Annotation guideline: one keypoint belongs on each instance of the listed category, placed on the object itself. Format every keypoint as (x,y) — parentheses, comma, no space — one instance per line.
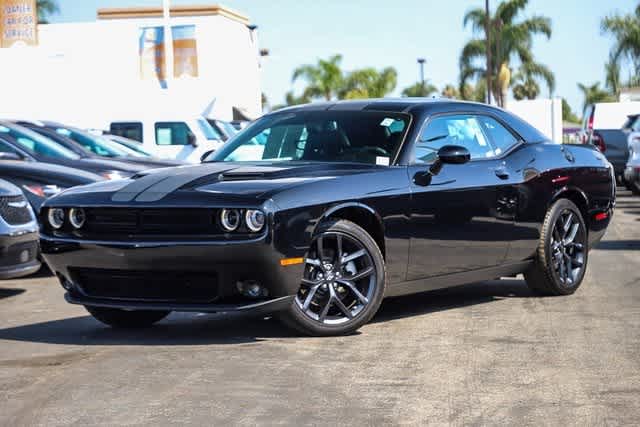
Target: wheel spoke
(342,307)
(355,290)
(361,275)
(314,262)
(571,235)
(325,309)
(576,262)
(355,255)
(309,282)
(567,223)
(576,246)
(310,295)
(338,249)
(320,248)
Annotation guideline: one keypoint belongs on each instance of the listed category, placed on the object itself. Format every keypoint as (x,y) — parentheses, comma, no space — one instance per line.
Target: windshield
(324,136)
(96,144)
(227,128)
(38,144)
(208,131)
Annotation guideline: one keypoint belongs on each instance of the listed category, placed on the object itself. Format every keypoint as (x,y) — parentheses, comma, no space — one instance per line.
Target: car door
(463,219)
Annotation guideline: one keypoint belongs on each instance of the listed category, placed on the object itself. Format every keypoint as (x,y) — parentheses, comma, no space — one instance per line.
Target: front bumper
(18,255)
(195,276)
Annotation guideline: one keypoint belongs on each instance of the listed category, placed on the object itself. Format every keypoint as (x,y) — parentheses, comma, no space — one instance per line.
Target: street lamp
(421,62)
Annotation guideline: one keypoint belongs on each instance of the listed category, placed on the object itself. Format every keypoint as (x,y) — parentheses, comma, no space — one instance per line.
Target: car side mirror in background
(192,140)
(10,156)
(205,155)
(449,154)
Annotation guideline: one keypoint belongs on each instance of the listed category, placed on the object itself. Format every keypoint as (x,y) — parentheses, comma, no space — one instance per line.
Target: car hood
(47,173)
(206,183)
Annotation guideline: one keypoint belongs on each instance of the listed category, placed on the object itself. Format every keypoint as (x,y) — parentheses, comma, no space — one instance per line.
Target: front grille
(20,253)
(173,221)
(147,285)
(15,210)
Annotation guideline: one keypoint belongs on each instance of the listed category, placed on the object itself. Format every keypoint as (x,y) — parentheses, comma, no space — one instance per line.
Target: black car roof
(424,106)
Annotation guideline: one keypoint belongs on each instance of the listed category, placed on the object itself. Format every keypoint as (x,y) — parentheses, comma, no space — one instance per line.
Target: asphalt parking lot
(487,353)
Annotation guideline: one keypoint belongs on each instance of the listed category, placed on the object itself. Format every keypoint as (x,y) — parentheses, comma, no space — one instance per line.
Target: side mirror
(205,155)
(454,154)
(192,140)
(10,156)
(451,154)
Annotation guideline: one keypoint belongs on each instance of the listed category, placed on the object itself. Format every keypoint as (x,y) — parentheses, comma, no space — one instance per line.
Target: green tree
(419,90)
(450,91)
(525,81)
(324,79)
(567,113)
(594,93)
(511,38)
(369,83)
(46,8)
(625,30)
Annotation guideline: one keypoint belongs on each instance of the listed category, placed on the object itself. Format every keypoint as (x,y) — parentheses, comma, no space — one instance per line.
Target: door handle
(501,172)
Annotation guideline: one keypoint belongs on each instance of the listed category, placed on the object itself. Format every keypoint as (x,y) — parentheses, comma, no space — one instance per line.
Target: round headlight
(56,218)
(230,219)
(255,220)
(77,217)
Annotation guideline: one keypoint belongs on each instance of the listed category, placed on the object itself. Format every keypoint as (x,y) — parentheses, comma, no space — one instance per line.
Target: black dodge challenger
(318,212)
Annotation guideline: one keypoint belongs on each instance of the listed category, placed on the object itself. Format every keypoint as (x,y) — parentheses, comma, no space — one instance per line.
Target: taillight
(590,121)
(598,141)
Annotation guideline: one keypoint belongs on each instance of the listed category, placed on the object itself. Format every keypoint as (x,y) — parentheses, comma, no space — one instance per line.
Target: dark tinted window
(172,133)
(325,136)
(131,130)
(501,138)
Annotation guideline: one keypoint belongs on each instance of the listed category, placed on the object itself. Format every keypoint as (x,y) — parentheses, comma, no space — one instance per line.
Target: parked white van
(170,137)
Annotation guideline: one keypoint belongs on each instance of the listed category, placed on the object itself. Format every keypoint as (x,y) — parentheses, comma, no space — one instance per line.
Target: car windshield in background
(96,144)
(322,136)
(35,143)
(227,127)
(208,130)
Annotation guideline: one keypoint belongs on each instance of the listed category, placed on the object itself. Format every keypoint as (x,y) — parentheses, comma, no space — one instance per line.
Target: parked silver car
(18,234)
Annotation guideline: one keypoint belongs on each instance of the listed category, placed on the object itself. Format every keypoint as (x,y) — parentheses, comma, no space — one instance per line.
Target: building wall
(87,73)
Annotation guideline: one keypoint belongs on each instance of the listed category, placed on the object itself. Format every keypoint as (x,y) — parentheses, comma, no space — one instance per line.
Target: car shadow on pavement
(9,292)
(450,298)
(202,329)
(619,245)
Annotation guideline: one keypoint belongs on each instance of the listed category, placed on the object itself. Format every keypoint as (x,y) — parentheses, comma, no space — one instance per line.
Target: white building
(87,73)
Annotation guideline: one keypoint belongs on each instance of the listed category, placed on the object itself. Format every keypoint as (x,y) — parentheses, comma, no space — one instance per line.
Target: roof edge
(176,11)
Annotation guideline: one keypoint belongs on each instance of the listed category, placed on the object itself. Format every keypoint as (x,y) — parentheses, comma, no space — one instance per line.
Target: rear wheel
(561,258)
(343,282)
(126,319)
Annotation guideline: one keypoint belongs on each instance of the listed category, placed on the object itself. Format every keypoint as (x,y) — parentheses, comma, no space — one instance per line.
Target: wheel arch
(362,215)
(578,197)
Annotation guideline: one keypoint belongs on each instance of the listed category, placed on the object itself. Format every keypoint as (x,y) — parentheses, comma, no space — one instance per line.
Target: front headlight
(230,219)
(77,217)
(111,175)
(45,191)
(255,220)
(55,216)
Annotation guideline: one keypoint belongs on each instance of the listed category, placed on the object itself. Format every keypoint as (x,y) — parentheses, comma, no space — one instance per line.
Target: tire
(338,296)
(634,186)
(124,319)
(560,265)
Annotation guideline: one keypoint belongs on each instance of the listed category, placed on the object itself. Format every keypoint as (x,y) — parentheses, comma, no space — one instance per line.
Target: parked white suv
(169,137)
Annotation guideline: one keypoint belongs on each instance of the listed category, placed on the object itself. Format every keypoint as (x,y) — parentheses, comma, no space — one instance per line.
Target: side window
(131,130)
(501,138)
(6,148)
(462,130)
(172,133)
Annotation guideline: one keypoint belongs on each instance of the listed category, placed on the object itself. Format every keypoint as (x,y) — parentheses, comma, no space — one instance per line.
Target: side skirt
(456,279)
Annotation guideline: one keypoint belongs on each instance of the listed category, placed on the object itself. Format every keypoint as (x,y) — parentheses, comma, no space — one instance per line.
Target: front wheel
(343,282)
(126,319)
(561,259)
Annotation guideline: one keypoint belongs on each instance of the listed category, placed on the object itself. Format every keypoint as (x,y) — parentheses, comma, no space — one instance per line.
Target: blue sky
(382,33)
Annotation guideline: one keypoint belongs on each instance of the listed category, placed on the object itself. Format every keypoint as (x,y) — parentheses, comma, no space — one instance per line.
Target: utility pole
(421,62)
(487,31)
(168,39)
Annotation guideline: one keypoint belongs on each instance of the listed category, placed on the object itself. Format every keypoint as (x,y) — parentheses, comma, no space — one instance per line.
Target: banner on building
(185,54)
(152,54)
(18,23)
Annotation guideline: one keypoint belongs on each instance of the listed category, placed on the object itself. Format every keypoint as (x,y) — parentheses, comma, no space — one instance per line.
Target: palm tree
(450,91)
(324,79)
(419,89)
(46,8)
(626,33)
(369,83)
(510,38)
(525,84)
(594,93)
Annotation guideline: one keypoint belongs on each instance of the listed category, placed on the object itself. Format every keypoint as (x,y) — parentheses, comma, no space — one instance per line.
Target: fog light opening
(252,289)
